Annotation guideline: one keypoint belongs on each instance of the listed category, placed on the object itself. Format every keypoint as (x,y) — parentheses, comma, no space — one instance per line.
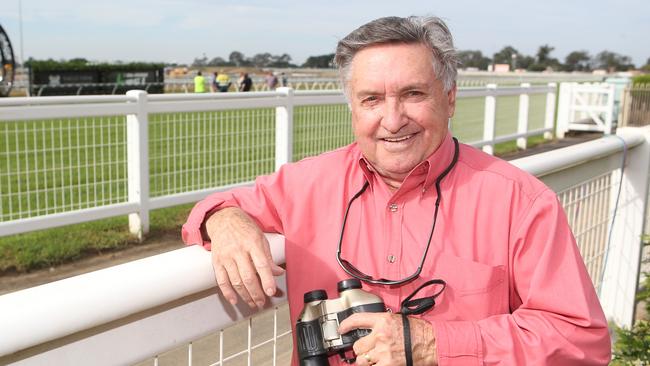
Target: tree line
(265,59)
(575,61)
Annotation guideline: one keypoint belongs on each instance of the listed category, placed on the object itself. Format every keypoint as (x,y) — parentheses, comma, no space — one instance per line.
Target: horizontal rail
(66,100)
(214,105)
(103,298)
(190,197)
(63,111)
(510,137)
(211,96)
(502,91)
(66,218)
(587,159)
(319,99)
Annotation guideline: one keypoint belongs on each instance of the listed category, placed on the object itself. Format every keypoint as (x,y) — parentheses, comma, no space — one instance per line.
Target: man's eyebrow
(366,92)
(422,85)
(416,85)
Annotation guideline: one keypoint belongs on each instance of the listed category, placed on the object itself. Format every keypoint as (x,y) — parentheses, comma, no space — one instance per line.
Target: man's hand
(385,344)
(241,257)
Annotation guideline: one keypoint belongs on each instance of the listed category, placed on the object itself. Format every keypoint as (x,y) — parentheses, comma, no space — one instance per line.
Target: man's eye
(370,99)
(414,93)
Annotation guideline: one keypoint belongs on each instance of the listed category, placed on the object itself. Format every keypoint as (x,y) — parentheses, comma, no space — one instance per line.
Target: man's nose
(394,117)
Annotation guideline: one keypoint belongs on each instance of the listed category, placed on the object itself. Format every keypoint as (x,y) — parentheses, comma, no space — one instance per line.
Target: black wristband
(408,352)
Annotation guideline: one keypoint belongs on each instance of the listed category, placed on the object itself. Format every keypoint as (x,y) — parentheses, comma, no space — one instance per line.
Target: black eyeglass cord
(382,281)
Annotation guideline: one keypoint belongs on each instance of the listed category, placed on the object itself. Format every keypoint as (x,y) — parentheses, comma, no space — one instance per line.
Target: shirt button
(391,259)
(393,207)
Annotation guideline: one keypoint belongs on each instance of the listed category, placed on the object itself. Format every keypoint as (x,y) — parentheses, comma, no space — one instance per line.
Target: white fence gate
(585,107)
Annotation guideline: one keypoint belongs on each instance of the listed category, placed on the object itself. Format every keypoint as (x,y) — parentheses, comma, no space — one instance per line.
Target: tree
(543,59)
(261,59)
(472,58)
(283,60)
(200,61)
(524,62)
(218,61)
(577,61)
(237,58)
(543,54)
(320,62)
(612,61)
(505,55)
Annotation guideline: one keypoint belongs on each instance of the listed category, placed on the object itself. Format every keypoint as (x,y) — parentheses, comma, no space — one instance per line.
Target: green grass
(50,166)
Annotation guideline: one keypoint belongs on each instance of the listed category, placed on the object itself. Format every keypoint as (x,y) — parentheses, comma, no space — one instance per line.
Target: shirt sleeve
(555,319)
(259,201)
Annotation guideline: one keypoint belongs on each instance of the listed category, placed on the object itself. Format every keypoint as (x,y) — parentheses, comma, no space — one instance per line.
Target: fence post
(522,119)
(137,141)
(284,129)
(549,116)
(609,117)
(563,109)
(617,291)
(489,124)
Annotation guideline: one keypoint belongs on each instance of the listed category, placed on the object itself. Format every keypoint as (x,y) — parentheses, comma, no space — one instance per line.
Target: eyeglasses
(353,271)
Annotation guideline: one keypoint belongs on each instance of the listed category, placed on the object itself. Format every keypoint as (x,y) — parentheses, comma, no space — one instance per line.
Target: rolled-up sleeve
(259,201)
(555,319)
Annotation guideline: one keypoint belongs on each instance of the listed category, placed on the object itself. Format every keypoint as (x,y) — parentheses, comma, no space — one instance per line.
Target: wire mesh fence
(200,150)
(262,340)
(320,128)
(58,165)
(587,207)
(69,164)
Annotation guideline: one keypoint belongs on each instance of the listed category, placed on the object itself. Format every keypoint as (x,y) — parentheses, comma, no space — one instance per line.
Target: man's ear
(451,100)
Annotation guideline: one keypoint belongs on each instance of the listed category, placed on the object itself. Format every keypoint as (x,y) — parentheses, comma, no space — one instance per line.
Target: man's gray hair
(429,31)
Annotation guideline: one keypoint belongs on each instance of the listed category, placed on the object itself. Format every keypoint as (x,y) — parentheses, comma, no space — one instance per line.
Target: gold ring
(368,359)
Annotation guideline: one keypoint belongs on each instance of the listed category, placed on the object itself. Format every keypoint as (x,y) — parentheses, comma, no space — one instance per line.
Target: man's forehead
(382,68)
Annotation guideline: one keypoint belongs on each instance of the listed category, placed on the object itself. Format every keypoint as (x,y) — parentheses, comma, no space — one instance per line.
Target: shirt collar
(424,173)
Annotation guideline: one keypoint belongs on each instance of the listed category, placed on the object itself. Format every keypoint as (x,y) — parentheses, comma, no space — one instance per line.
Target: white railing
(585,107)
(167,305)
(66,160)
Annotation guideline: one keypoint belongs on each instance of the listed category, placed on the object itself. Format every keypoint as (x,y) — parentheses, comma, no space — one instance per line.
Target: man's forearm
(226,218)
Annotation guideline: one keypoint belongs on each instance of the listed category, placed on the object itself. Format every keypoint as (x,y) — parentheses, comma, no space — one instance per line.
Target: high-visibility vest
(199,84)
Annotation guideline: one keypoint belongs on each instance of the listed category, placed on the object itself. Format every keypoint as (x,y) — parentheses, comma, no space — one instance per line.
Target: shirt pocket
(474,290)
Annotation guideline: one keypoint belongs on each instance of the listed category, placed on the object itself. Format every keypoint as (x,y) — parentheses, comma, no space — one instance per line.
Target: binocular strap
(415,307)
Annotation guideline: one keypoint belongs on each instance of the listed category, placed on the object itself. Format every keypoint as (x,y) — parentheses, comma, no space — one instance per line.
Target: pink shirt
(517,289)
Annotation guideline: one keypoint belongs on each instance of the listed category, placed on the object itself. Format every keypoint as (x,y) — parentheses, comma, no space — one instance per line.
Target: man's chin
(395,171)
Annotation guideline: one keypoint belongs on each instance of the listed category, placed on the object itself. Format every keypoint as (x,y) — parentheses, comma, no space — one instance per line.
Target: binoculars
(317,326)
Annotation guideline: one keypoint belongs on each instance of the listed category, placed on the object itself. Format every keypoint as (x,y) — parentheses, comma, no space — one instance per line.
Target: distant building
(501,68)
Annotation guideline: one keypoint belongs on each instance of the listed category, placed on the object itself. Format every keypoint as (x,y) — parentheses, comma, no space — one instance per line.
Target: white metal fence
(67,160)
(586,107)
(165,309)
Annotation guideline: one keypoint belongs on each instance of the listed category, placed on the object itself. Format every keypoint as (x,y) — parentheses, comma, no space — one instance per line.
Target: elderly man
(404,204)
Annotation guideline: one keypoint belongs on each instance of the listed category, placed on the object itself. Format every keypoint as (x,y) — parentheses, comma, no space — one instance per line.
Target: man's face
(399,108)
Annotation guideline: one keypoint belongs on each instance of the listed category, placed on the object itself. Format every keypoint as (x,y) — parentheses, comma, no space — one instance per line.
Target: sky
(180,30)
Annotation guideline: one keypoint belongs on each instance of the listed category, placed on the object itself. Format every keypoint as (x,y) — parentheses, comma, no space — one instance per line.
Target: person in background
(223,82)
(405,204)
(245,83)
(271,80)
(284,79)
(199,83)
(213,84)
